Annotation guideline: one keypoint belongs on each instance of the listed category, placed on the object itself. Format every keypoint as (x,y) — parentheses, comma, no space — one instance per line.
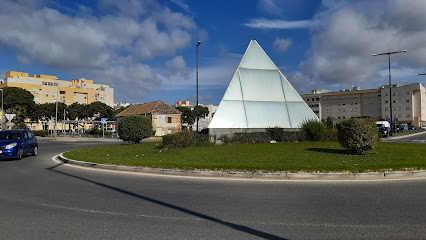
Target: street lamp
(196,106)
(390,84)
(2,113)
(57,100)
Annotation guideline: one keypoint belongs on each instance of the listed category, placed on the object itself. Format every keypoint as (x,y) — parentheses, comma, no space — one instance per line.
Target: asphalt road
(41,199)
(419,138)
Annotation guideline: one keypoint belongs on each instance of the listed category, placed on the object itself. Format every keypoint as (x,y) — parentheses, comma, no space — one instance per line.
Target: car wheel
(20,154)
(34,153)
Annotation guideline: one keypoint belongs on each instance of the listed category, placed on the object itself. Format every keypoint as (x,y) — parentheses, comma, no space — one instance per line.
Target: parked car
(17,143)
(423,128)
(412,128)
(402,127)
(383,127)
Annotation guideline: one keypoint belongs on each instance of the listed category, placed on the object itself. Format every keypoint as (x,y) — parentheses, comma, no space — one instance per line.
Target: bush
(294,136)
(314,130)
(134,128)
(186,140)
(276,133)
(41,133)
(94,131)
(357,135)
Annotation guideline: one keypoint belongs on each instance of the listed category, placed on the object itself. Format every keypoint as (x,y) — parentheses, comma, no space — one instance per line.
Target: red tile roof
(157,107)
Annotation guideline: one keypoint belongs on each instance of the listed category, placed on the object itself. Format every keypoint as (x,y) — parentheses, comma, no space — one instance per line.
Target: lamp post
(57,100)
(2,112)
(196,106)
(390,84)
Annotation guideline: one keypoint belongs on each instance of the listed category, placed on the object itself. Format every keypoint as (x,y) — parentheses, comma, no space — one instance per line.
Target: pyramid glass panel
(232,115)
(256,58)
(259,96)
(266,114)
(234,89)
(261,85)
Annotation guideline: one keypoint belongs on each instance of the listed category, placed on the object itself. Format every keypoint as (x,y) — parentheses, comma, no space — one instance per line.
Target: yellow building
(49,89)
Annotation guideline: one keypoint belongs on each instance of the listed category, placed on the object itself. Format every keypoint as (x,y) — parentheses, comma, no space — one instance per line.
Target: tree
(14,96)
(77,110)
(102,109)
(134,128)
(187,116)
(47,110)
(20,114)
(202,111)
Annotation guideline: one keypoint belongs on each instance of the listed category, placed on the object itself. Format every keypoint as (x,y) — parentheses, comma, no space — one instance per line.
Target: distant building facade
(408,104)
(48,89)
(165,118)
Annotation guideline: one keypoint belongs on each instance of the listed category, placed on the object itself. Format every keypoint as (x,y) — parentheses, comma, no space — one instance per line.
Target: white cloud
(182,5)
(282,45)
(270,7)
(278,24)
(345,39)
(108,48)
(217,73)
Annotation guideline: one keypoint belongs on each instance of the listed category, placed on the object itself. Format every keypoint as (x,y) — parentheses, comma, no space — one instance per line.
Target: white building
(408,104)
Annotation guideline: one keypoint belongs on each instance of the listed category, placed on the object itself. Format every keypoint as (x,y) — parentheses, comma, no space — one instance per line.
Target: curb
(250,175)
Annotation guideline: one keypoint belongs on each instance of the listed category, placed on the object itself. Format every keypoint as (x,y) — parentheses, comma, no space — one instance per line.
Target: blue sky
(145,49)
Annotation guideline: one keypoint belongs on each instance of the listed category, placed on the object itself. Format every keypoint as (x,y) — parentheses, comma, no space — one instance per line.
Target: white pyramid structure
(259,96)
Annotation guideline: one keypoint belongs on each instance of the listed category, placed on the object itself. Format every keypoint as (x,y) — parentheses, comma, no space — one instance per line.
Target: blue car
(17,143)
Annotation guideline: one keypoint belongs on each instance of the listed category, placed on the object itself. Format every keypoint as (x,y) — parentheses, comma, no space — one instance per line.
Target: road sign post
(103,121)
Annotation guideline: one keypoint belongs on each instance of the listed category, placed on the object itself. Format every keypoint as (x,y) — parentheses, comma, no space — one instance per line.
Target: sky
(146,49)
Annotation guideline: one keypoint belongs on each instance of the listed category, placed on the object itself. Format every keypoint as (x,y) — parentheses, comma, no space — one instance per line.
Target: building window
(386,101)
(169,120)
(307,99)
(317,99)
(407,108)
(407,115)
(408,100)
(407,93)
(386,108)
(69,101)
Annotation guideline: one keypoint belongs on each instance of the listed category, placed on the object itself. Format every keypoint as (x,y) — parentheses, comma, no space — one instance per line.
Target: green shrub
(330,135)
(94,131)
(41,133)
(314,130)
(294,136)
(134,128)
(246,137)
(357,135)
(276,133)
(186,140)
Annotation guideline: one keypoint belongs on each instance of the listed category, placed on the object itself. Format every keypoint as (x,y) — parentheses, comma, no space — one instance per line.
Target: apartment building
(49,89)
(408,103)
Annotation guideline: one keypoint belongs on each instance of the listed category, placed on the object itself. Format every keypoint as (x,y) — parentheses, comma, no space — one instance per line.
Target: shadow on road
(184,210)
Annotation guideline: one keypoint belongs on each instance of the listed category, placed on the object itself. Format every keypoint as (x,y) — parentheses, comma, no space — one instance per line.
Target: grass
(291,157)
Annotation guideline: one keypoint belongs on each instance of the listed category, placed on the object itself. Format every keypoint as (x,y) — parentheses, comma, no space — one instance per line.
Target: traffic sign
(388,119)
(103,120)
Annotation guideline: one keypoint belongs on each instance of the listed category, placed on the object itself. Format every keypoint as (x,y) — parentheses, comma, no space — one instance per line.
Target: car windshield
(10,135)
